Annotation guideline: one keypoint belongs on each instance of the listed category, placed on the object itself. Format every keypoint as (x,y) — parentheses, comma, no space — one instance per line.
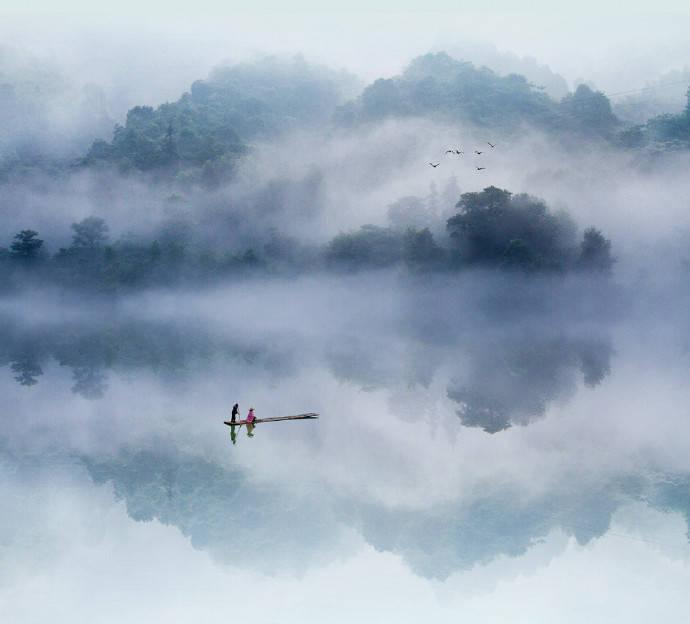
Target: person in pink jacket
(250,423)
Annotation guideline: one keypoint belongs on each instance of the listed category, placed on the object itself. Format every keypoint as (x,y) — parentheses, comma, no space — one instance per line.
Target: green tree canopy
(495,227)
(89,233)
(421,252)
(589,111)
(205,131)
(439,85)
(595,252)
(26,246)
(369,247)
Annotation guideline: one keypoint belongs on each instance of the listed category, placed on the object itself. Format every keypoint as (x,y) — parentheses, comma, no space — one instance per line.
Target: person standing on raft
(235,412)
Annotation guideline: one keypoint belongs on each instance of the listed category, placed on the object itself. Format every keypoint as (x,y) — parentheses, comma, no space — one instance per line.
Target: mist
(458,235)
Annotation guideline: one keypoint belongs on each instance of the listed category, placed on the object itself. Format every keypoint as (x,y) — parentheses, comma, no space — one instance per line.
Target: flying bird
(476,152)
(480,168)
(434,165)
(491,145)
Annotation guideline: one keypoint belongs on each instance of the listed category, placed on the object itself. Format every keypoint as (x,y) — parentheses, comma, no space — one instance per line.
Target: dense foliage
(438,85)
(200,136)
(671,128)
(495,227)
(665,131)
(492,229)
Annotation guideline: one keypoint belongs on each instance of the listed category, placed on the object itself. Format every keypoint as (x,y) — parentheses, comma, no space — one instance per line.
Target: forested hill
(439,85)
(207,129)
(671,131)
(200,137)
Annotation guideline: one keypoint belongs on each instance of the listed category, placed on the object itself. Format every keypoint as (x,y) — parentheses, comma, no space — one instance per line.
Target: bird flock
(459,152)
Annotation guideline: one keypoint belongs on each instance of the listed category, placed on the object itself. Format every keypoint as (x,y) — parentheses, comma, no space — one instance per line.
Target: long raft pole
(309,416)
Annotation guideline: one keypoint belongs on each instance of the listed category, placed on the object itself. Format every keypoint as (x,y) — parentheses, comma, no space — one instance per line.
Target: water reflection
(234,429)
(399,462)
(497,378)
(222,511)
(90,350)
(226,513)
(26,370)
(512,381)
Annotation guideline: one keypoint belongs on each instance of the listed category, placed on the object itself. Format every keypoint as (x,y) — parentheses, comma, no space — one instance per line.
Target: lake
(482,454)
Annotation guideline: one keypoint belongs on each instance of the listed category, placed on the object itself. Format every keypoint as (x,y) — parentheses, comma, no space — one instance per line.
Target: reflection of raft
(275,419)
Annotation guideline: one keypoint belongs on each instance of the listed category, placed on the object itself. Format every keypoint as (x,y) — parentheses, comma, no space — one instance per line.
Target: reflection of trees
(507,379)
(90,351)
(220,510)
(22,354)
(26,370)
(269,527)
(595,362)
(379,362)
(89,382)
(442,540)
(672,493)
(512,381)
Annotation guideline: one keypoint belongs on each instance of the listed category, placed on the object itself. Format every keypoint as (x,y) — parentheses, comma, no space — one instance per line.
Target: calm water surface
(468,465)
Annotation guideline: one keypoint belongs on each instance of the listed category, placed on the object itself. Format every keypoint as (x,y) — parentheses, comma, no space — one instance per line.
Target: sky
(639,40)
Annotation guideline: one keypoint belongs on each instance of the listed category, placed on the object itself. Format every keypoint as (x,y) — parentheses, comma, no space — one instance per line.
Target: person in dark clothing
(235,411)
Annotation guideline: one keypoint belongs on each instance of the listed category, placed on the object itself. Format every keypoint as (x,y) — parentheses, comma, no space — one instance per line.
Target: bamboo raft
(308,416)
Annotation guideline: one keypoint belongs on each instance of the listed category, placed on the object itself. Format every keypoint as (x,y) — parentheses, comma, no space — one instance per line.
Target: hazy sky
(638,40)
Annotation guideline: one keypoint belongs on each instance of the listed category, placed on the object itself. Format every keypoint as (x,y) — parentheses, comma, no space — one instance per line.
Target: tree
(26,246)
(169,146)
(595,252)
(517,255)
(369,247)
(214,120)
(89,233)
(589,111)
(409,212)
(439,85)
(382,98)
(497,228)
(420,251)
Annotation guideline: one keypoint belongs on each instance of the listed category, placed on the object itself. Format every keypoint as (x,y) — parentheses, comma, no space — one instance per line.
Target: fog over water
(240,208)
(460,456)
